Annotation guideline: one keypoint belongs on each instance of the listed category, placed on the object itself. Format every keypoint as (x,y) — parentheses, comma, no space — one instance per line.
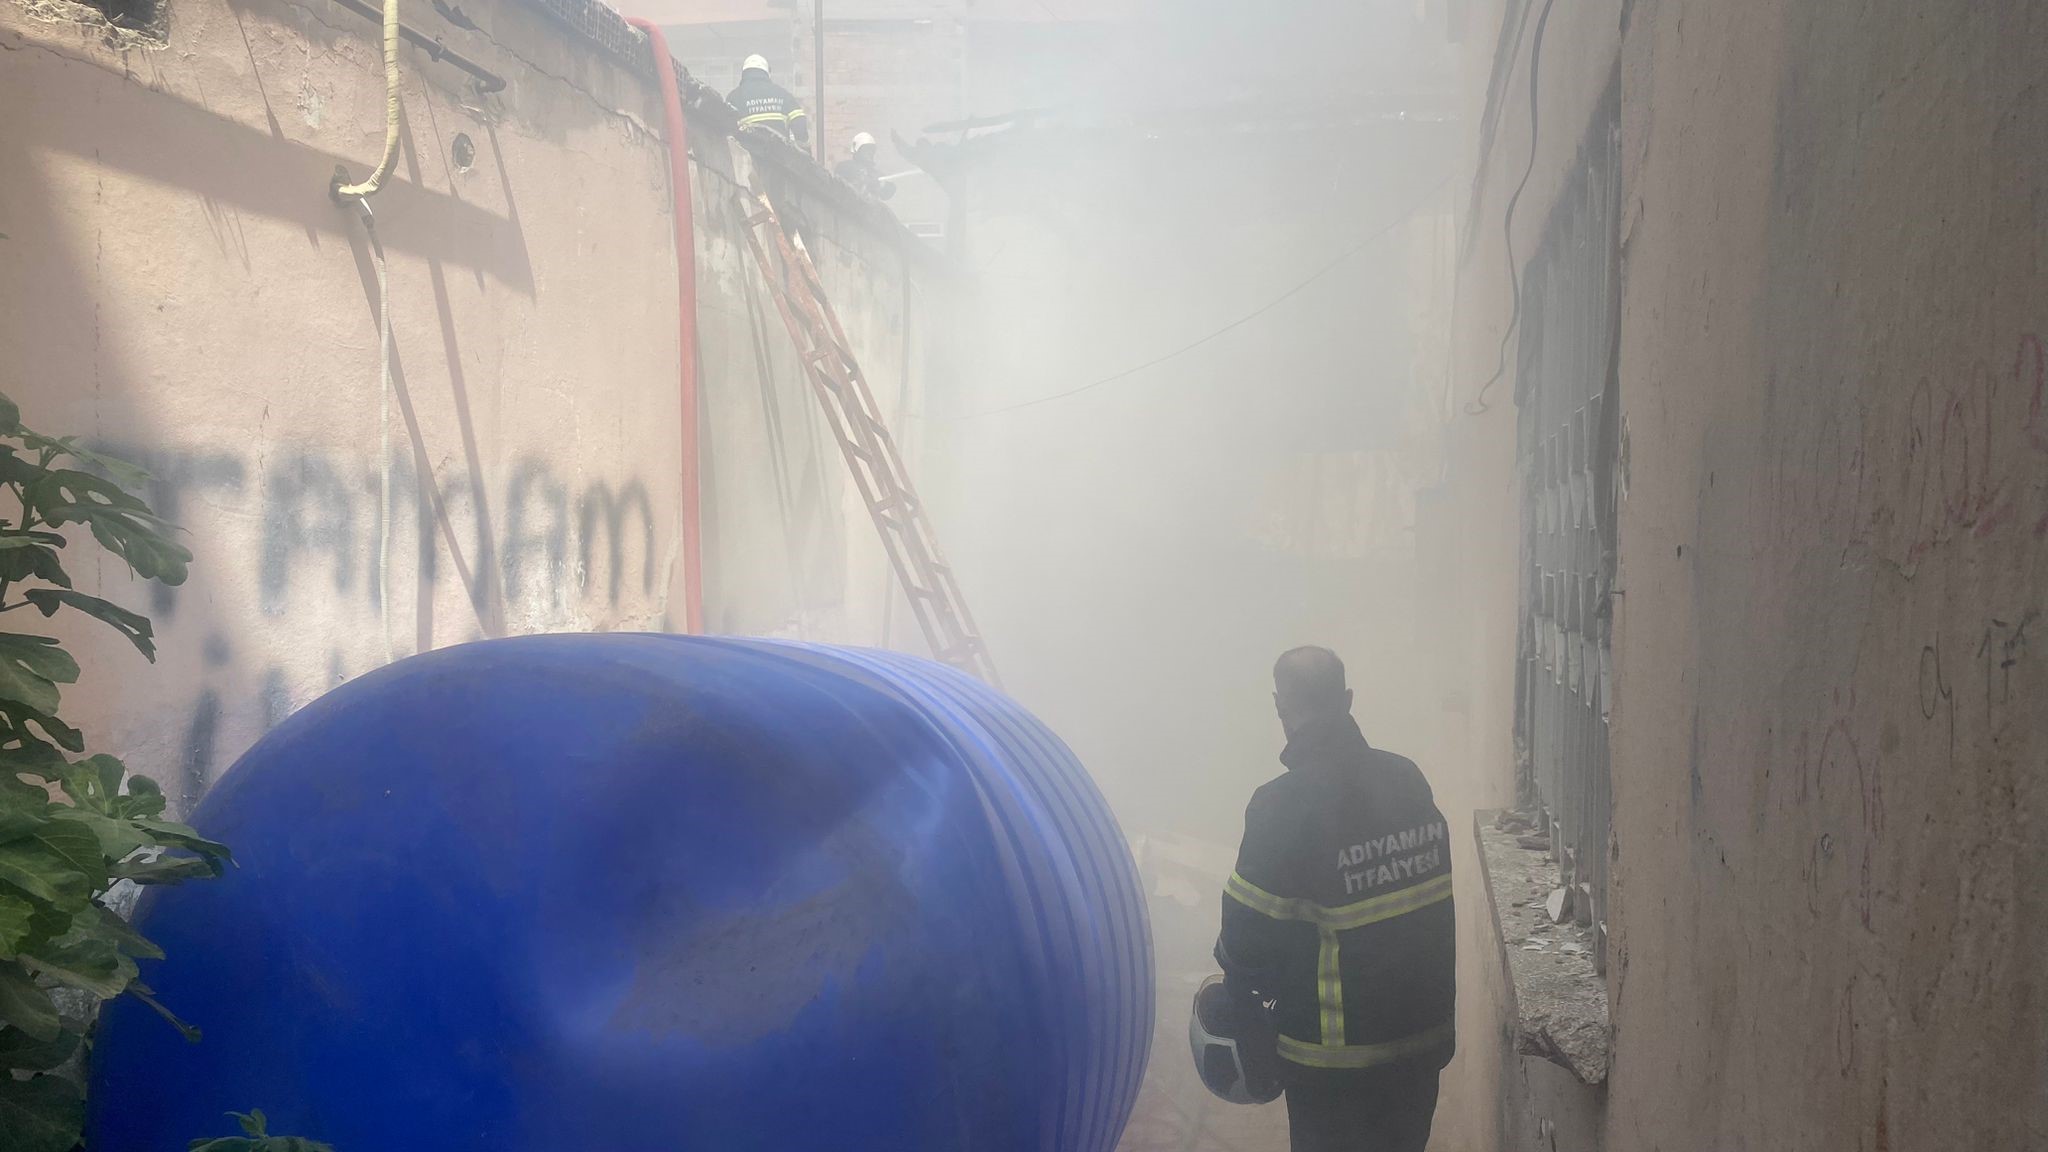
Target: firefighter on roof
(762,103)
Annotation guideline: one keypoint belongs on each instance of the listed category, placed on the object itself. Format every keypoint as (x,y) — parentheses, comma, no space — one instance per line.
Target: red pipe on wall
(686,308)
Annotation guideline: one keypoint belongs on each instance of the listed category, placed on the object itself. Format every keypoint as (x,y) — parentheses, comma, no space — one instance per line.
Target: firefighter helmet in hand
(1232,1065)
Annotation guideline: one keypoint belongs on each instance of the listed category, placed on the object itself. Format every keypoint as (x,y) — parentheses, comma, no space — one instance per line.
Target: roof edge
(602,26)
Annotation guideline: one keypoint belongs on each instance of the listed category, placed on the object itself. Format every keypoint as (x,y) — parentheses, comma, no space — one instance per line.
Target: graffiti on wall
(1962,458)
(1947,470)
(323,523)
(321,533)
(1968,713)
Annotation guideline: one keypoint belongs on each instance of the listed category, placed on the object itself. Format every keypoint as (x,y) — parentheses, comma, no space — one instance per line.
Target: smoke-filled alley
(1129,576)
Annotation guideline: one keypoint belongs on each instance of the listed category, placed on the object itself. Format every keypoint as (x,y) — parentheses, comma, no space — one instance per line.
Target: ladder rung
(864,437)
(967,656)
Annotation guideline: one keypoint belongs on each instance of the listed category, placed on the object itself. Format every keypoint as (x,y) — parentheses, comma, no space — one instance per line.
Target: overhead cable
(1478,403)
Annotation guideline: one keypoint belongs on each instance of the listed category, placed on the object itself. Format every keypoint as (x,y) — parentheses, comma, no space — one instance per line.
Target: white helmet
(1234,1056)
(756,62)
(861,140)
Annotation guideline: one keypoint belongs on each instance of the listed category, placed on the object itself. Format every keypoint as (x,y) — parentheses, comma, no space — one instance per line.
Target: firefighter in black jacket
(762,103)
(1339,916)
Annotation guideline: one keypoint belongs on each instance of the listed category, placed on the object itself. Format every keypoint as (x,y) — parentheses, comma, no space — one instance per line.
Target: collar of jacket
(1332,739)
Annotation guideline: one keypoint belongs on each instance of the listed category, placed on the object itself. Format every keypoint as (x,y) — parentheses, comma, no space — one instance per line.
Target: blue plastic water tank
(639,893)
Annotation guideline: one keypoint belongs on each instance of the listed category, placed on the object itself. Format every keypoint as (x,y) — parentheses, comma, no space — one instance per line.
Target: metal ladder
(864,440)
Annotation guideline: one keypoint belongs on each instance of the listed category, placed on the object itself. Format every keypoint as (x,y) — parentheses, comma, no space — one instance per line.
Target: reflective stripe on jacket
(1340,909)
(762,103)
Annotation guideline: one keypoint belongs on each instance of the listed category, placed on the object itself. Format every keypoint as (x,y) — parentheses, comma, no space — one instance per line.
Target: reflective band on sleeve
(1259,900)
(1330,986)
(1364,1055)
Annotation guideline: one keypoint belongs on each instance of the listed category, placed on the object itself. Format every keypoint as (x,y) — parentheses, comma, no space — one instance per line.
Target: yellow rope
(369,187)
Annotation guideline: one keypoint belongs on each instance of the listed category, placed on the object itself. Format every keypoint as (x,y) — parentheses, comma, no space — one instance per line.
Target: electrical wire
(1496,91)
(388,512)
(368,187)
(1478,403)
(1240,322)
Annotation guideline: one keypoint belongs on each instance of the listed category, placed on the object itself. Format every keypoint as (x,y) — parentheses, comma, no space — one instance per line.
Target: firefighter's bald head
(1308,685)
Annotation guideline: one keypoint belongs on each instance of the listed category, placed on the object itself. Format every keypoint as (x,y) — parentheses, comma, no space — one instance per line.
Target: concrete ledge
(790,167)
(1558,1002)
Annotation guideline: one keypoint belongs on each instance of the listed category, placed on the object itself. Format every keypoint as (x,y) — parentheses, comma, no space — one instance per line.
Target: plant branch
(28,523)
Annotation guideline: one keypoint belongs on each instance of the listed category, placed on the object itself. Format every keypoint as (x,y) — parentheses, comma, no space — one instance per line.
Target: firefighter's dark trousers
(1376,1110)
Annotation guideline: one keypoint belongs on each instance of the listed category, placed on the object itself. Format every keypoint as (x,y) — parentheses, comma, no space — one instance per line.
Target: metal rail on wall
(1567,454)
(487,80)
(870,451)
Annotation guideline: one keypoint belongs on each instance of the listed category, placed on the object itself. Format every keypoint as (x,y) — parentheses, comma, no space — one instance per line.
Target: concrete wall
(175,283)
(1829,737)
(1827,741)
(789,547)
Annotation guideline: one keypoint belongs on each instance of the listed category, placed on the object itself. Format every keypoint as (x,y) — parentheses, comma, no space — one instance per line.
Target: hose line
(369,187)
